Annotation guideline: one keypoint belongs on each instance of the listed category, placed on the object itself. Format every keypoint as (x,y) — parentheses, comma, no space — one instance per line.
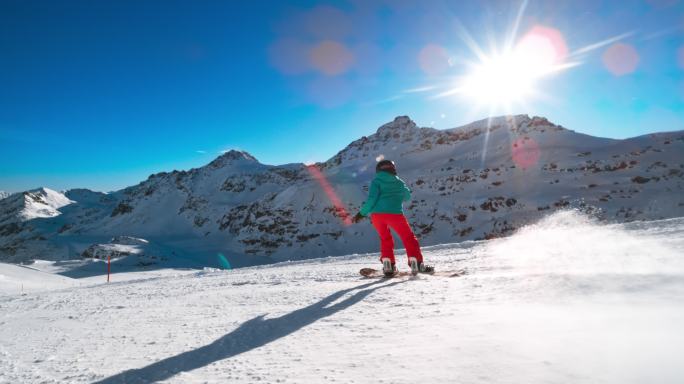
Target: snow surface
(20,278)
(565,300)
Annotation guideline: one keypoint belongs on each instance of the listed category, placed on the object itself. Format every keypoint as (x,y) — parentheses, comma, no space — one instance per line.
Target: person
(386,195)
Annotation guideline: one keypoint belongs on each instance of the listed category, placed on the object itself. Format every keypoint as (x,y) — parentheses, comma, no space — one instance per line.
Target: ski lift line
(330,192)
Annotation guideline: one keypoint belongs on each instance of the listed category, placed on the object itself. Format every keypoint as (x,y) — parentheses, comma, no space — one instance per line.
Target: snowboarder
(386,195)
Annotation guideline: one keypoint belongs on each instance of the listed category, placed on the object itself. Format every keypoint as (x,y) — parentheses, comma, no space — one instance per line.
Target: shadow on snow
(252,334)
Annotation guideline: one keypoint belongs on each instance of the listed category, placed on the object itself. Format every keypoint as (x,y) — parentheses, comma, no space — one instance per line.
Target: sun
(513,72)
(498,81)
(502,80)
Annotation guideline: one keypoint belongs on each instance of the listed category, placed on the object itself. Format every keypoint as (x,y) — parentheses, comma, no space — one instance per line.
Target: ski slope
(565,300)
(20,279)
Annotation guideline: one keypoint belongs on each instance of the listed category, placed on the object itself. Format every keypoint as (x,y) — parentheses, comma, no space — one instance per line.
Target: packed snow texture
(566,300)
(483,180)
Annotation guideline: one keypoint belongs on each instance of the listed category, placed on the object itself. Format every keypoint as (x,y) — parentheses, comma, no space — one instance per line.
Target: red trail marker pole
(109,266)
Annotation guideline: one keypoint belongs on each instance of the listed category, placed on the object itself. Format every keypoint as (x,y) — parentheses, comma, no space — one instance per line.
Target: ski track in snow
(564,300)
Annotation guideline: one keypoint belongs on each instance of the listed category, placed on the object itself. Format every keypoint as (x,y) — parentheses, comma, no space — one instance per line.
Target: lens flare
(339,208)
(433,59)
(331,58)
(525,152)
(621,59)
(542,48)
(223,261)
(549,41)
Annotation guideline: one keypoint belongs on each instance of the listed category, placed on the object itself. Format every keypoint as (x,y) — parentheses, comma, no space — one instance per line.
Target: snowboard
(372,272)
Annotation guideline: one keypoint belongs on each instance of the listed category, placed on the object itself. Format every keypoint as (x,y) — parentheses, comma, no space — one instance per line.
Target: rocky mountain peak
(232,156)
(47,196)
(36,203)
(399,126)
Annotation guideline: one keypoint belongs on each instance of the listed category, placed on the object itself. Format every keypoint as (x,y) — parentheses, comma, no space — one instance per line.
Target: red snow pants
(383,222)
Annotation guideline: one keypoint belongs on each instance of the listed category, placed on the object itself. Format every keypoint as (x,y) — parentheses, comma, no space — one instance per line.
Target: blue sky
(100,94)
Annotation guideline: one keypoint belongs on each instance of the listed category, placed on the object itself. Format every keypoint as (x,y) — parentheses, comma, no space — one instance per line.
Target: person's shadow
(252,334)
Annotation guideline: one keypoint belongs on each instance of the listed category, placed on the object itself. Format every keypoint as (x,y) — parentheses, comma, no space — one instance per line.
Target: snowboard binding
(389,269)
(417,267)
(413,262)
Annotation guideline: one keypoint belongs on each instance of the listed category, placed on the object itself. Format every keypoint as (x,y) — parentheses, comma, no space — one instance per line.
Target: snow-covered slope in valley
(566,300)
(479,181)
(17,279)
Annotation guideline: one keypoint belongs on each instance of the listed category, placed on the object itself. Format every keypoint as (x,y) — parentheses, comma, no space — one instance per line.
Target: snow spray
(568,242)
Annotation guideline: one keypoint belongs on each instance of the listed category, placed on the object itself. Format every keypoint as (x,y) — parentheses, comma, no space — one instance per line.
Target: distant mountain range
(479,181)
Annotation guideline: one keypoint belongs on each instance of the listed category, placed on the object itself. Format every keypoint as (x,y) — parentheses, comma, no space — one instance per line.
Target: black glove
(357,218)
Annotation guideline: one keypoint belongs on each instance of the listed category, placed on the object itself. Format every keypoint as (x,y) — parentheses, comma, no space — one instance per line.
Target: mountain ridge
(482,180)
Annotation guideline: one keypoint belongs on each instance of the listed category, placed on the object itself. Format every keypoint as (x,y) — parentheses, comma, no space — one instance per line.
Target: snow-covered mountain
(553,303)
(479,181)
(3,194)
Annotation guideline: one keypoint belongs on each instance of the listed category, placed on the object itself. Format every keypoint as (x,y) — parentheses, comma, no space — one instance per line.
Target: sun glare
(512,74)
(501,80)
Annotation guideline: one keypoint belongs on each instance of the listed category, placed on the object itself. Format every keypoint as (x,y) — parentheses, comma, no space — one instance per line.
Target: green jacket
(386,194)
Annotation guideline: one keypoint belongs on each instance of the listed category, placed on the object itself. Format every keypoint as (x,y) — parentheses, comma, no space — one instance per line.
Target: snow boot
(389,269)
(422,268)
(413,263)
(417,267)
